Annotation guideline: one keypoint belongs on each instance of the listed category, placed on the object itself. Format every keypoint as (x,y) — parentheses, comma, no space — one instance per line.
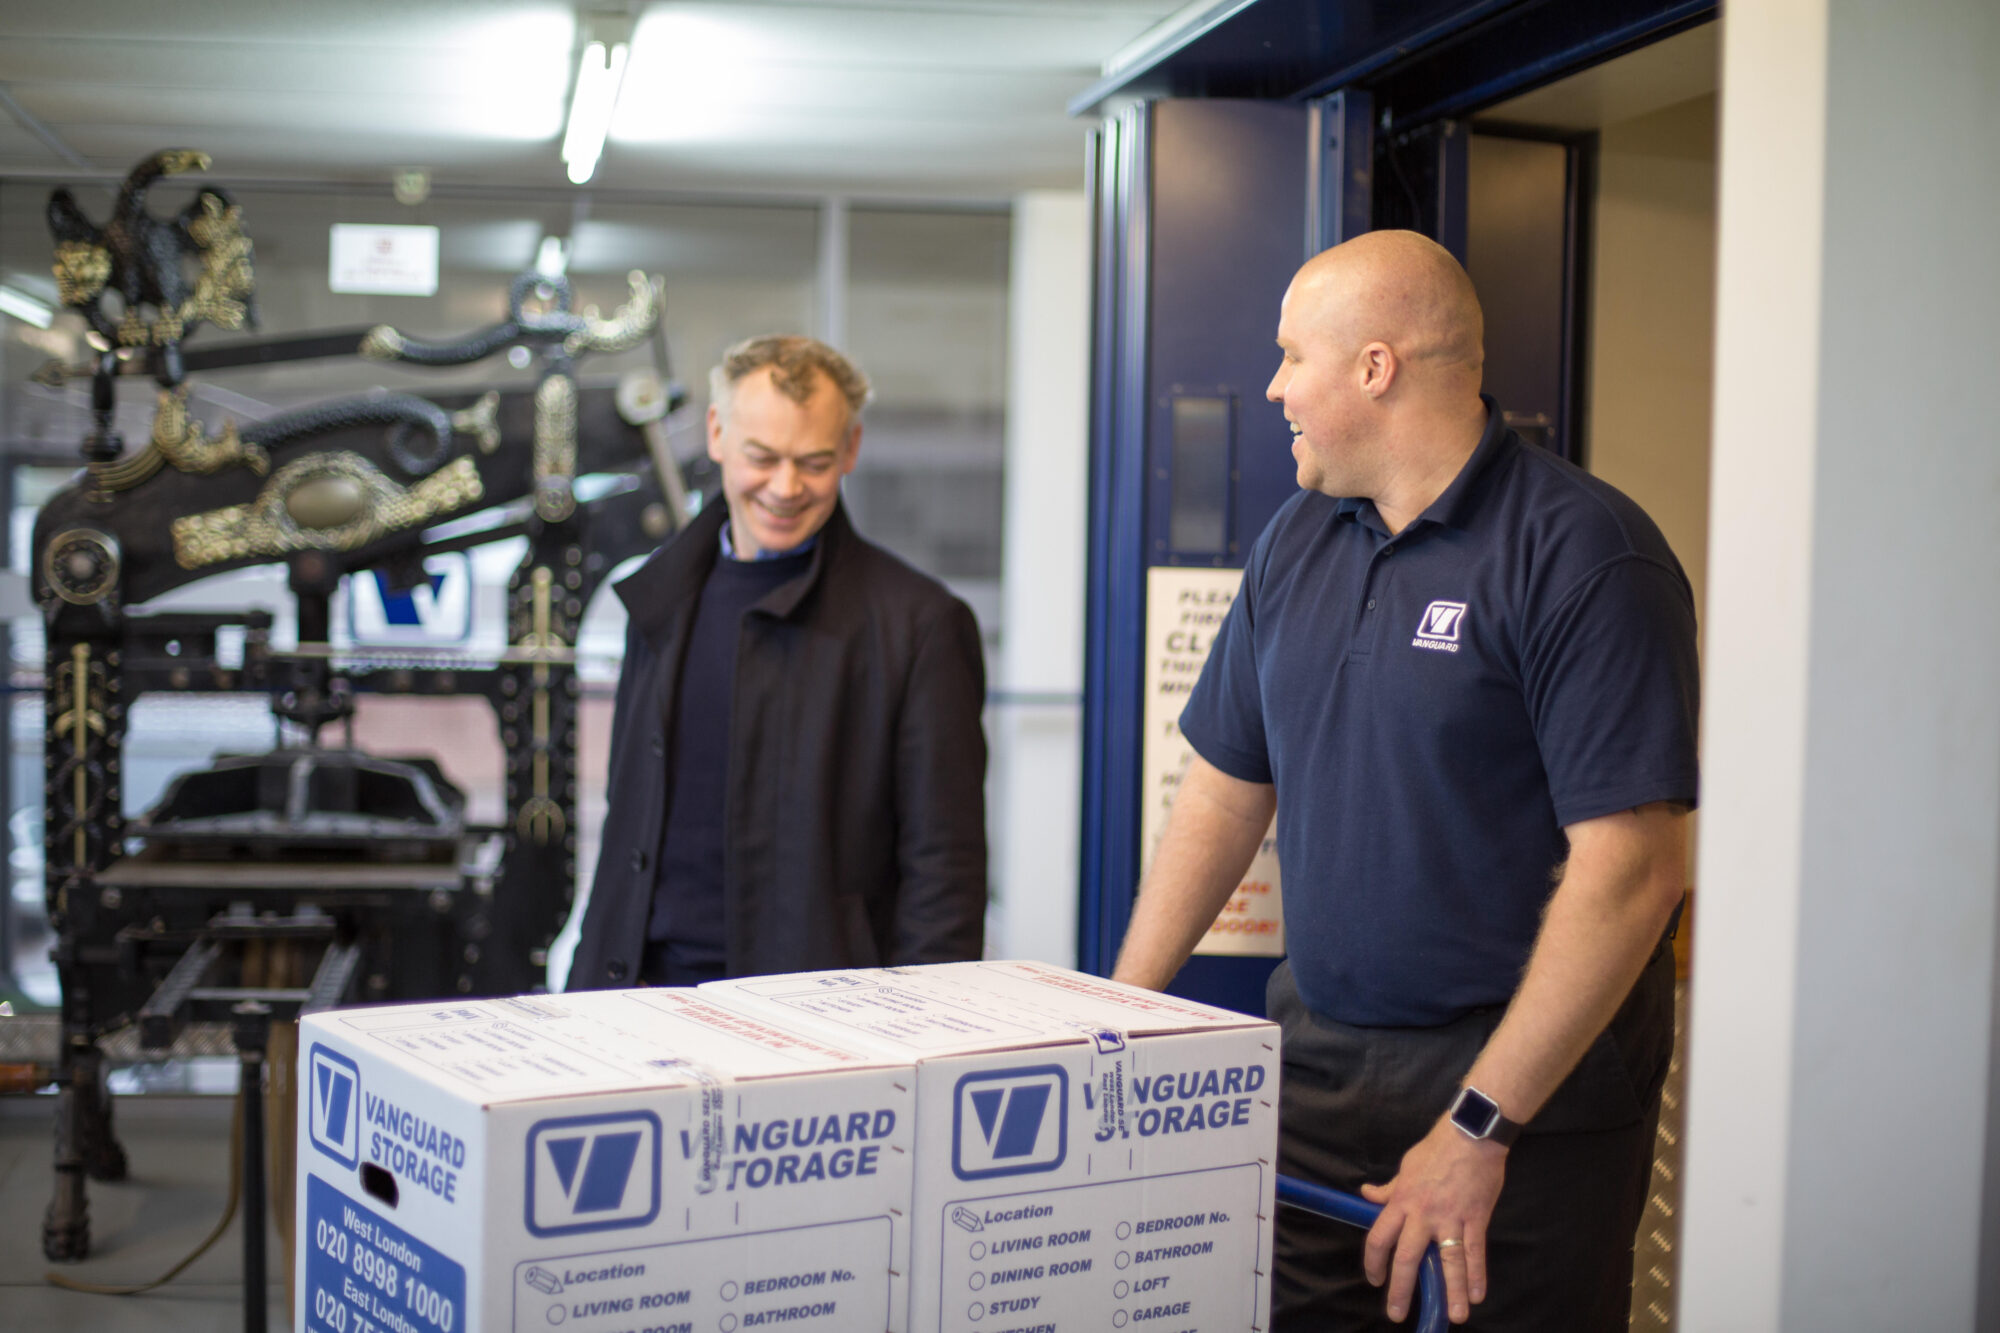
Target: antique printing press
(314,873)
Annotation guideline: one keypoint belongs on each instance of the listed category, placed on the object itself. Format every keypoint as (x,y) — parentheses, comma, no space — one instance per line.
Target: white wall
(1037,733)
(1844,973)
(1652,319)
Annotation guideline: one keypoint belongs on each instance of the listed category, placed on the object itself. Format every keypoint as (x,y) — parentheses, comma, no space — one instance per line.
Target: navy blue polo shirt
(1434,708)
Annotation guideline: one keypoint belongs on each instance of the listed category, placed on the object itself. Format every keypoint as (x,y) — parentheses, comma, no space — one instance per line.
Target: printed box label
(364,1274)
(1184,1250)
(815,1279)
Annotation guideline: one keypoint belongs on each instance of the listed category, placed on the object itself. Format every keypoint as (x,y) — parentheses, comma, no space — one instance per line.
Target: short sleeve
(1224,716)
(1613,688)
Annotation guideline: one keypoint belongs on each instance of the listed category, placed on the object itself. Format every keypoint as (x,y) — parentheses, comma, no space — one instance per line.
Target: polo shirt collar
(1455,506)
(1357,510)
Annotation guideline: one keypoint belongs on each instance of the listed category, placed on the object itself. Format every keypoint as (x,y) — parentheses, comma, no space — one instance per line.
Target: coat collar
(666,586)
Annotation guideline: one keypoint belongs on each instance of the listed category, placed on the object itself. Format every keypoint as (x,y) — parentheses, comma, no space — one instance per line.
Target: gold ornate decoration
(140,257)
(82,269)
(221,292)
(382,343)
(541,817)
(327,502)
(79,721)
(555,448)
(126,472)
(177,161)
(81,565)
(481,421)
(267,526)
(182,442)
(628,325)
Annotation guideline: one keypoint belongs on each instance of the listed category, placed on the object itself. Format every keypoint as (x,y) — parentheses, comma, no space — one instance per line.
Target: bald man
(1462,673)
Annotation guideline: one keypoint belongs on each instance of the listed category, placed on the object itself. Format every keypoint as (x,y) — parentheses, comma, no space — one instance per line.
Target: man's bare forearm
(1625,873)
(1212,832)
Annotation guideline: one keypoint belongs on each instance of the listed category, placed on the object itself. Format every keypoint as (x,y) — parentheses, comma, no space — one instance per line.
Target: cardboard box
(1090,1157)
(610,1162)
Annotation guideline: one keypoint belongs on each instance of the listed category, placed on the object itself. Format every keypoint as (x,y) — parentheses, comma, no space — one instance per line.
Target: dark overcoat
(855,826)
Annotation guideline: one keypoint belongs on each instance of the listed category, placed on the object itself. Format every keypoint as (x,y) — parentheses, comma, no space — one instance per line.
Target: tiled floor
(178,1149)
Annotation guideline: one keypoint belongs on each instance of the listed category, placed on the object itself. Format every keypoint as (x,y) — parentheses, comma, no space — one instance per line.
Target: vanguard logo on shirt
(334,1119)
(1439,628)
(1009,1122)
(593,1173)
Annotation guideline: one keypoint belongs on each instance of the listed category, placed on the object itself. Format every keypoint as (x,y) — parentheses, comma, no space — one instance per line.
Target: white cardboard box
(1090,1157)
(610,1162)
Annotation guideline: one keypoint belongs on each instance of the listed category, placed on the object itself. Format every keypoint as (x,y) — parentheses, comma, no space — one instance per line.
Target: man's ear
(714,433)
(1379,366)
(851,451)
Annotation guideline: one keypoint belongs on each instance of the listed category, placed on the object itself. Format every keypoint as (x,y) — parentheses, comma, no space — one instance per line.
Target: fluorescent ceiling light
(598,76)
(696,78)
(26,308)
(552,258)
(491,73)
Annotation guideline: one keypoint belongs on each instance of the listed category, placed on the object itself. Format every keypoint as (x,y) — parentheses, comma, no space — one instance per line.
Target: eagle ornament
(169,276)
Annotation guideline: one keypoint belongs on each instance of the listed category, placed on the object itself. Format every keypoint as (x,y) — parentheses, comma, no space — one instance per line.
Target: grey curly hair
(796,363)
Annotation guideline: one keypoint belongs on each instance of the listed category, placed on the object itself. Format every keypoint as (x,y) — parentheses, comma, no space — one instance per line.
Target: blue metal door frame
(1114,599)
(1204,209)
(1167,324)
(1421,60)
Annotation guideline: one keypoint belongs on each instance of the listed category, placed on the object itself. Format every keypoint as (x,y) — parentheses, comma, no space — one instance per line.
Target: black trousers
(1559,1246)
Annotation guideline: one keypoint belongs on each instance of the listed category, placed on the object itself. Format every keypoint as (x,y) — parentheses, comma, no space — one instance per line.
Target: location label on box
(1168,1252)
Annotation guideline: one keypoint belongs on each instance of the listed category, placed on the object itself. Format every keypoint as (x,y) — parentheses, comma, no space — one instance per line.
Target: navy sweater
(687,919)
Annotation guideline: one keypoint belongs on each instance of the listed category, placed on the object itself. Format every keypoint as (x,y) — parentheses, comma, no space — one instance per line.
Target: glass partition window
(926,317)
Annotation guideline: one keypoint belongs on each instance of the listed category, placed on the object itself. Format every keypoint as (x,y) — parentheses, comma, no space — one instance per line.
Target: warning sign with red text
(1184,611)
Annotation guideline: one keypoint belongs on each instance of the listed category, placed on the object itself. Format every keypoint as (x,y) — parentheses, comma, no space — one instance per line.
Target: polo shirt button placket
(638,863)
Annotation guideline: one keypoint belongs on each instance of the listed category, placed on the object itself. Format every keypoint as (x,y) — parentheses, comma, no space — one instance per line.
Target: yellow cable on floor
(228,1215)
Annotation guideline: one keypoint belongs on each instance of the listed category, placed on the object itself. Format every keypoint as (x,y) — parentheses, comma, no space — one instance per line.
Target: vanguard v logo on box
(610,1161)
(333,1116)
(593,1173)
(1010,1122)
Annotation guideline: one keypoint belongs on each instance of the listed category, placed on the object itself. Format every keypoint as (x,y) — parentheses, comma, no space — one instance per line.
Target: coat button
(615,970)
(638,862)
(659,745)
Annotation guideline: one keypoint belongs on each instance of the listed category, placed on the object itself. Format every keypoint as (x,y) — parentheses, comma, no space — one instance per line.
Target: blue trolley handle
(1358,1212)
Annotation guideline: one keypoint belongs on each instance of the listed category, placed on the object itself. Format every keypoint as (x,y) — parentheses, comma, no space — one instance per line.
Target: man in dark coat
(797,765)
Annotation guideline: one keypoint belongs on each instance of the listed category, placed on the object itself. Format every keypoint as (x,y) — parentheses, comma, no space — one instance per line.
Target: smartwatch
(1478,1117)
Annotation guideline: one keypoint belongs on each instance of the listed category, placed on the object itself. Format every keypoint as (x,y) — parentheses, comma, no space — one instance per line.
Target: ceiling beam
(1419,59)
(743,196)
(50,140)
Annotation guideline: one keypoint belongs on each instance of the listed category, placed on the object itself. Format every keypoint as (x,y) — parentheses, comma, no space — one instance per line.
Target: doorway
(1591,236)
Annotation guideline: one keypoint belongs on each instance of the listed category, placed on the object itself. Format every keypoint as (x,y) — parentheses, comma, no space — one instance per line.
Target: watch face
(1475,1113)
